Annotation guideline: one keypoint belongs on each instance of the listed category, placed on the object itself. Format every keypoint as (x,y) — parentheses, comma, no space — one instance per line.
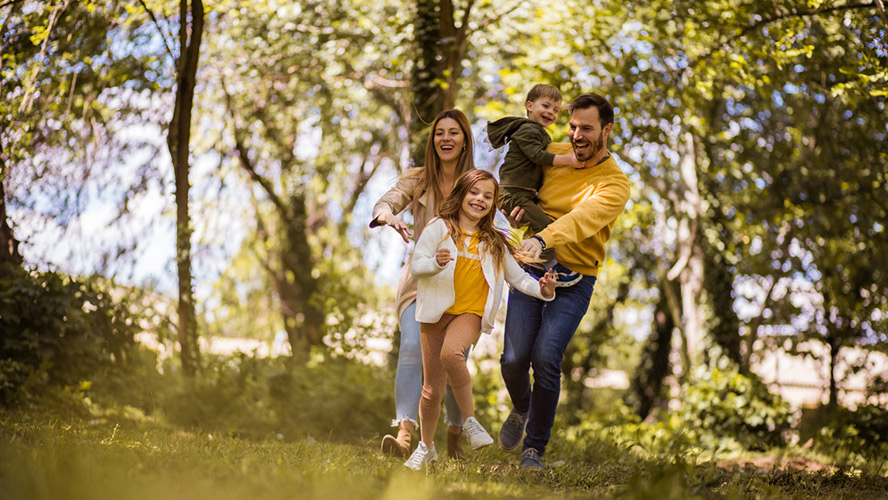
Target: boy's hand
(442,257)
(547,284)
(515,217)
(574,162)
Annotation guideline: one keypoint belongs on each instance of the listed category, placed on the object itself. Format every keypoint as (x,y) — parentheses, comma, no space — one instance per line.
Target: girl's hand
(515,217)
(442,257)
(547,284)
(397,224)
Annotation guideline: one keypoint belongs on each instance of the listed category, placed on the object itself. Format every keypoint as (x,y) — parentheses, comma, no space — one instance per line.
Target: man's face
(586,135)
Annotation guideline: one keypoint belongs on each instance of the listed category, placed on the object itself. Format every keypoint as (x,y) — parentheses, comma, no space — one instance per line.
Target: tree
(178,141)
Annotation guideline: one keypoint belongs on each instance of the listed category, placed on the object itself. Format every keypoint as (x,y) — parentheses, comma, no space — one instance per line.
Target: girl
(460,261)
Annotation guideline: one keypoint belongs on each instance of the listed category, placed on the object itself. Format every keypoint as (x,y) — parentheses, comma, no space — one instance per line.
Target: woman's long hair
(430,174)
(495,241)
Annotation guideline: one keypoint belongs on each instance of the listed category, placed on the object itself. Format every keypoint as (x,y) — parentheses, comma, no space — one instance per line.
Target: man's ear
(607,130)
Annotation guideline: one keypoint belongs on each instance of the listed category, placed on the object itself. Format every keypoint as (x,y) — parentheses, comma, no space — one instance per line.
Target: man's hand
(547,284)
(530,247)
(442,257)
(397,224)
(515,217)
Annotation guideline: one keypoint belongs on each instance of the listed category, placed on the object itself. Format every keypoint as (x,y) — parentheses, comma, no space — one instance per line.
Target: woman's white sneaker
(475,433)
(421,457)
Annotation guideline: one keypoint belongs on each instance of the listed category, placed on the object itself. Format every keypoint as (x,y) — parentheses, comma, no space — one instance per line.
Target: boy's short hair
(541,90)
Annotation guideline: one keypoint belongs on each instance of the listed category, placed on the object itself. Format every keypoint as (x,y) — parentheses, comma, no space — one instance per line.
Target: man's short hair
(541,90)
(586,101)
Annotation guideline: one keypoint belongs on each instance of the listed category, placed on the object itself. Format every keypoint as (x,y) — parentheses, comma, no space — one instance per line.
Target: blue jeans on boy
(408,377)
(536,335)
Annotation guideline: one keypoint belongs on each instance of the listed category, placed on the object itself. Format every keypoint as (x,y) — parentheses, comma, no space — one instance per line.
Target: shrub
(58,331)
(855,436)
(336,398)
(724,404)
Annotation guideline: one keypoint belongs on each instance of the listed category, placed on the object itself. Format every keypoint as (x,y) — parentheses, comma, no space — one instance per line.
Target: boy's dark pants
(511,197)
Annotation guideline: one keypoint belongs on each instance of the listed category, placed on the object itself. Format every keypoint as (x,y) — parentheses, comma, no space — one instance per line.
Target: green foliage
(335,398)
(721,406)
(857,437)
(60,332)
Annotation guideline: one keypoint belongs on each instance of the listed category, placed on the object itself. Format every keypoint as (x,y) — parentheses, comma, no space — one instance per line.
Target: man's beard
(593,150)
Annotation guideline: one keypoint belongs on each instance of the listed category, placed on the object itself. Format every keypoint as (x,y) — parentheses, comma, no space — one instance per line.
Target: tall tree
(191,23)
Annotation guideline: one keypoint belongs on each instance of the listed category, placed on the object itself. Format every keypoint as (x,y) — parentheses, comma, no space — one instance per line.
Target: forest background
(174,171)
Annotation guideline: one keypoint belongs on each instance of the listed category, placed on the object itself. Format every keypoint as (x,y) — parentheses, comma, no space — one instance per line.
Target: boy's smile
(543,110)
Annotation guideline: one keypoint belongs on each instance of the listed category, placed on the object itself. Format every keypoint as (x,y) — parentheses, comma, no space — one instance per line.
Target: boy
(521,173)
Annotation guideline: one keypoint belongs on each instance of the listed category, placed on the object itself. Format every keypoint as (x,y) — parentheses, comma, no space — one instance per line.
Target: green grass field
(45,456)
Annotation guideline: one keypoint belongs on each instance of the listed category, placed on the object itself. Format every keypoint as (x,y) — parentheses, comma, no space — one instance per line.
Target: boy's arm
(531,139)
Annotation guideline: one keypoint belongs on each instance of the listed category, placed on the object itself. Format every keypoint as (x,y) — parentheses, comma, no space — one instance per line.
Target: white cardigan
(435,293)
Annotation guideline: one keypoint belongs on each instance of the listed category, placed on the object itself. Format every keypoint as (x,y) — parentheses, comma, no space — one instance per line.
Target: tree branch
(777,17)
(166,42)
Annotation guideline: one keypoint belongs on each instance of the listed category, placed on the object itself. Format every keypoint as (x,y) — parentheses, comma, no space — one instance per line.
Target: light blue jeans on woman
(408,378)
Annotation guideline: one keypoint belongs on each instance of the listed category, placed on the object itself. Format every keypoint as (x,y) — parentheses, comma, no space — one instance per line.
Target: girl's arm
(426,255)
(523,282)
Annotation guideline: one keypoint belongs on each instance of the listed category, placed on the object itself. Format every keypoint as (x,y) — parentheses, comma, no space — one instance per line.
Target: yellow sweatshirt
(584,203)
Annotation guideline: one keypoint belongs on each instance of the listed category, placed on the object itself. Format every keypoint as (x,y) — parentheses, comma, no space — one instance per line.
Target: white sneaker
(475,433)
(421,457)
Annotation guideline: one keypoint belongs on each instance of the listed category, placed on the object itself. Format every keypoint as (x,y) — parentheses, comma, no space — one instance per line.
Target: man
(584,202)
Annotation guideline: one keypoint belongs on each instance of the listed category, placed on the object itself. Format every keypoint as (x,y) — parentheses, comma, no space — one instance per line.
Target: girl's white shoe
(475,433)
(421,457)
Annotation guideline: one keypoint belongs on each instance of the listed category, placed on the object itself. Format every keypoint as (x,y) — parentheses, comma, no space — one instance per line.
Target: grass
(121,455)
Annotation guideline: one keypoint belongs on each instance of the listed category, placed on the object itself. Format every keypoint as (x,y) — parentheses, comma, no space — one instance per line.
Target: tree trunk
(835,345)
(297,288)
(9,251)
(427,93)
(178,142)
(648,381)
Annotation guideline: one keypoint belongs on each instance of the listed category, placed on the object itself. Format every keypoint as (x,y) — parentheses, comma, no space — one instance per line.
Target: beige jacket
(423,208)
(436,293)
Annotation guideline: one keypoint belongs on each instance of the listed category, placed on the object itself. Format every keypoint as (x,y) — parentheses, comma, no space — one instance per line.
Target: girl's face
(449,140)
(479,200)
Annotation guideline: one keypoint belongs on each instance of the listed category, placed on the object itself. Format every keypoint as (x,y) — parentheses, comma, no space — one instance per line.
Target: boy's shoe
(566,277)
(475,433)
(512,431)
(530,459)
(422,457)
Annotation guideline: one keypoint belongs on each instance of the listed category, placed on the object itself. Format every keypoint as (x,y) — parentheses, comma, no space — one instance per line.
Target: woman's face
(449,140)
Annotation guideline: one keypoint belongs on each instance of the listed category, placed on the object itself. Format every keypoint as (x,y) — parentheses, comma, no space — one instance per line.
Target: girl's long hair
(495,241)
(430,174)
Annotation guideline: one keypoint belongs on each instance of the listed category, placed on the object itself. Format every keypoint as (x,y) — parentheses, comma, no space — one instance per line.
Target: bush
(855,436)
(336,398)
(724,404)
(58,331)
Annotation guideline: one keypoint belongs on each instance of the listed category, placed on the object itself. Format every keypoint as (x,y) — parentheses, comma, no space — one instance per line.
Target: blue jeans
(408,377)
(536,335)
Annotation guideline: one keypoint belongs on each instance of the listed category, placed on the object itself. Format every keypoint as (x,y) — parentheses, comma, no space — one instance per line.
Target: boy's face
(543,111)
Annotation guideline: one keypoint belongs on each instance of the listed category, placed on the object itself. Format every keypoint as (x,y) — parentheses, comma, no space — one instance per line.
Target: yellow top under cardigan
(469,285)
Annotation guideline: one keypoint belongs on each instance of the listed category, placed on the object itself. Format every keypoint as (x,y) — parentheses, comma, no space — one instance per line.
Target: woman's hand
(547,284)
(397,224)
(442,257)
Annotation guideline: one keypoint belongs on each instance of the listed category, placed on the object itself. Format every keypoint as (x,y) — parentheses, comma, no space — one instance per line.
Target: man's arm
(592,215)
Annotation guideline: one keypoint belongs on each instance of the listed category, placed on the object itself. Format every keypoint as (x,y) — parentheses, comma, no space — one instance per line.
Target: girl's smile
(478,201)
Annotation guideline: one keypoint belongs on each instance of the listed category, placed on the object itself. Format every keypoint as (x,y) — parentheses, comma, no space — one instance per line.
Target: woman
(449,153)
